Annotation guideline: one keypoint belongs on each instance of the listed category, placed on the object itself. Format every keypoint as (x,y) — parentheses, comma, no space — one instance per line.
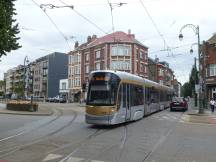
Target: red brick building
(116,51)
(209,66)
(160,72)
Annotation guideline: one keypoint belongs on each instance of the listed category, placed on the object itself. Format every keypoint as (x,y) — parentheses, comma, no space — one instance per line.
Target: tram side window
(154,95)
(163,96)
(147,95)
(120,95)
(124,95)
(137,95)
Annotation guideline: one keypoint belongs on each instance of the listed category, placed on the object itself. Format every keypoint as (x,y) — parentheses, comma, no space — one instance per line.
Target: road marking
(3,139)
(74,159)
(51,157)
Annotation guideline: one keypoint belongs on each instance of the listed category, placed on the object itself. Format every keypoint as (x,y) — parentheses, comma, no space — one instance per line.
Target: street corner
(40,112)
(196,118)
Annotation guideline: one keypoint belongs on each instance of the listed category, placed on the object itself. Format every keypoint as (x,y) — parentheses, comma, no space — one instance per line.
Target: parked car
(59,99)
(178,103)
(50,99)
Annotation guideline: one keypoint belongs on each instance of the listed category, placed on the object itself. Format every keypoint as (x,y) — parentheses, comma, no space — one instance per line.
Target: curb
(205,119)
(4,111)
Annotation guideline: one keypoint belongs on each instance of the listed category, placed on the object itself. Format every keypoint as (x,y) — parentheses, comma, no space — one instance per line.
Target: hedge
(22,106)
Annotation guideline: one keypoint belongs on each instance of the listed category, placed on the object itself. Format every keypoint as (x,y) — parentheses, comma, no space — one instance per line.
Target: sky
(155,23)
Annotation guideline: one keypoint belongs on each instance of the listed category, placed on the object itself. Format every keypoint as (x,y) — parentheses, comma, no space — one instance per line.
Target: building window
(160,72)
(137,53)
(120,50)
(78,58)
(120,65)
(87,57)
(69,83)
(97,66)
(87,69)
(212,69)
(97,54)
(63,86)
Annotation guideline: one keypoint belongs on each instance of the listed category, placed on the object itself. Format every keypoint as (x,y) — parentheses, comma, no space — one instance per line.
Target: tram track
(9,151)
(98,132)
(58,115)
(161,140)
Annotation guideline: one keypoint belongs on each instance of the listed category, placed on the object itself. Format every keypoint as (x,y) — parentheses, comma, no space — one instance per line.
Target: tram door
(126,101)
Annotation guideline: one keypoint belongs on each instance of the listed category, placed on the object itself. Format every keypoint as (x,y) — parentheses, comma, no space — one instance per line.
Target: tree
(187,89)
(19,89)
(8,27)
(2,84)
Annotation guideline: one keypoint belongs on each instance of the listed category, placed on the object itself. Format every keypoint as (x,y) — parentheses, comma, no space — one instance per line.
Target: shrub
(22,106)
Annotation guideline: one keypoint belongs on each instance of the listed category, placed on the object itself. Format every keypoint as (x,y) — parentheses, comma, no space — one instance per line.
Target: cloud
(44,35)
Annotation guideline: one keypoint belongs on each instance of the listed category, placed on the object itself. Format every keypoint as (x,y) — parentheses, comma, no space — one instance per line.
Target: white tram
(116,97)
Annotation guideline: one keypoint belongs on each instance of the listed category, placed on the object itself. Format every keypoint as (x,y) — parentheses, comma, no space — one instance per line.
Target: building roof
(212,40)
(118,36)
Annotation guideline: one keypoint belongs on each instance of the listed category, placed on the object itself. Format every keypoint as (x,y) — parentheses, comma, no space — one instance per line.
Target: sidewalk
(41,111)
(193,116)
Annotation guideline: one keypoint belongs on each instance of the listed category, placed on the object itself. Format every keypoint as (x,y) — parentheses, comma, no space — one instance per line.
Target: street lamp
(25,84)
(201,95)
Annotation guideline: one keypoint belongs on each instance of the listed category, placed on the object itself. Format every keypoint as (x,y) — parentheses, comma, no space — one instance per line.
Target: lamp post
(201,96)
(25,84)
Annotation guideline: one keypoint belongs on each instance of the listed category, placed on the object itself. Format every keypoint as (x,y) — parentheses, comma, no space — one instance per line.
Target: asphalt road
(64,137)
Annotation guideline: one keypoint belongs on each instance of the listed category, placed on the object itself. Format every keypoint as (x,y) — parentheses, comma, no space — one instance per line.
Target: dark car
(178,103)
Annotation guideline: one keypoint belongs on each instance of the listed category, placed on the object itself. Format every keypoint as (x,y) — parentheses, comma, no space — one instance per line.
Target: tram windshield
(103,89)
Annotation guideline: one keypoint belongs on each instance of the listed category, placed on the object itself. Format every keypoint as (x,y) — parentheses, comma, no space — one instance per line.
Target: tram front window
(100,95)
(102,92)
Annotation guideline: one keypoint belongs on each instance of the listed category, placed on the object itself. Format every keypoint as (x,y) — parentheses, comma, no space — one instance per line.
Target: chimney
(130,35)
(157,60)
(129,32)
(76,44)
(89,39)
(94,37)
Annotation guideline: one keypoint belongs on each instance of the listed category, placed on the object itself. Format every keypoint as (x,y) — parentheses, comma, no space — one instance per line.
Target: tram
(115,97)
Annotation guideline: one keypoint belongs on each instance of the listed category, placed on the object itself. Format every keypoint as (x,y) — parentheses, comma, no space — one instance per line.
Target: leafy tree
(194,78)
(187,89)
(2,84)
(8,27)
(19,89)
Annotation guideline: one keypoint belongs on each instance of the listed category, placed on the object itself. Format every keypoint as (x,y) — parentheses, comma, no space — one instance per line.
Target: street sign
(197,87)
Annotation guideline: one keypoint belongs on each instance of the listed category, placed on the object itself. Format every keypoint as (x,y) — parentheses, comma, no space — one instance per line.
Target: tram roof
(135,79)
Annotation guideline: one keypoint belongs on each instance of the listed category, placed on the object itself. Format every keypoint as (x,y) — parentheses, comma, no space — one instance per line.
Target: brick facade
(116,51)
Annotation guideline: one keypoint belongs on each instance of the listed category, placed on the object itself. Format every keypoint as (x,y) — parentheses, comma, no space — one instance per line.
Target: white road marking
(74,159)
(51,157)
(3,139)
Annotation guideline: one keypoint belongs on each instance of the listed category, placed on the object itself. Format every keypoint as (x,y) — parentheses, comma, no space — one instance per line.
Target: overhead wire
(154,24)
(166,47)
(88,20)
(111,9)
(51,20)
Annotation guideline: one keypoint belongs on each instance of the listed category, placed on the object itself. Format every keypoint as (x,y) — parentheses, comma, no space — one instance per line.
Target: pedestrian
(212,104)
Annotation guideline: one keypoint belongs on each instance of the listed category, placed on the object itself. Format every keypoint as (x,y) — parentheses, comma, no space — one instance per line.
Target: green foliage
(187,89)
(8,27)
(19,89)
(2,84)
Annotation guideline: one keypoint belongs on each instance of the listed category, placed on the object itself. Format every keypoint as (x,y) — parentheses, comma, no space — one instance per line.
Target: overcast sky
(40,37)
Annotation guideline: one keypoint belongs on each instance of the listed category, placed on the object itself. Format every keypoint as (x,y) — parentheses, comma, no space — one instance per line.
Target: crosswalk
(51,157)
(168,116)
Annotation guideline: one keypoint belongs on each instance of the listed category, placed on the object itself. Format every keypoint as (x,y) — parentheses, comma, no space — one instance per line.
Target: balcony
(211,80)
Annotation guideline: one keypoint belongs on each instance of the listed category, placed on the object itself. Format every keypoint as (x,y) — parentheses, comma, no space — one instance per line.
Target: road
(65,137)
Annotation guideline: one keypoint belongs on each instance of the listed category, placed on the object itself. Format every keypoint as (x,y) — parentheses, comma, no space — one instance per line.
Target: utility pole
(195,83)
